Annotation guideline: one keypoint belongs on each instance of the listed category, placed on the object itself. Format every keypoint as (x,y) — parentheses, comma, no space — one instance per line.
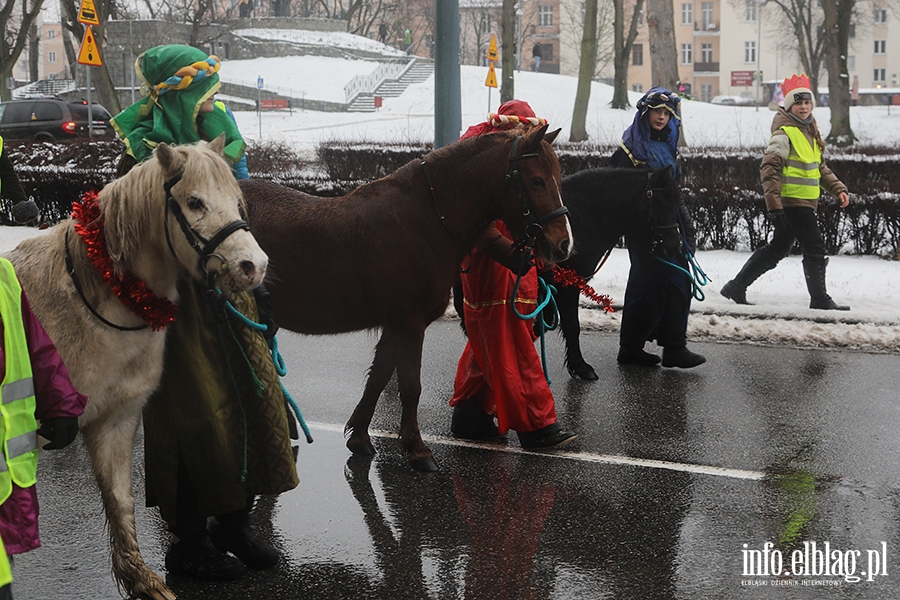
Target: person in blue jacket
(657,296)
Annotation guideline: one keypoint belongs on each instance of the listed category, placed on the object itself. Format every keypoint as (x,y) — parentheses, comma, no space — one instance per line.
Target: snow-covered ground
(871,286)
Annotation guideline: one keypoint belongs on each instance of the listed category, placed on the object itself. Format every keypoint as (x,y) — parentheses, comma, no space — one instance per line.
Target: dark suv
(49,119)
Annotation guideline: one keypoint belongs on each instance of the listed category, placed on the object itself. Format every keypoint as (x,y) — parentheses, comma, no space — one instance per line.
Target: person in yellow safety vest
(793,173)
(35,386)
(23,211)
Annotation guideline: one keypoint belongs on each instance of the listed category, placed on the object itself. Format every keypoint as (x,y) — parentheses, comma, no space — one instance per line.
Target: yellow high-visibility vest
(800,175)
(18,428)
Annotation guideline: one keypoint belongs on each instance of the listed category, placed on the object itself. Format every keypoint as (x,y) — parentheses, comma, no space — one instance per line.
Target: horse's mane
(132,204)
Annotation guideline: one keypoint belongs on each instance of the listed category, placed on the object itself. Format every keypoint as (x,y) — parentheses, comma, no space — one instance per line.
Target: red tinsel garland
(133,292)
(567,278)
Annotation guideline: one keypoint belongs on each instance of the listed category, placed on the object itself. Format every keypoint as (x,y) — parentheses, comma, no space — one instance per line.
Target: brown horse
(386,254)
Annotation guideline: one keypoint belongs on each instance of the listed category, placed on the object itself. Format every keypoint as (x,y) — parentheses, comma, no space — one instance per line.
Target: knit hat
(177,79)
(796,88)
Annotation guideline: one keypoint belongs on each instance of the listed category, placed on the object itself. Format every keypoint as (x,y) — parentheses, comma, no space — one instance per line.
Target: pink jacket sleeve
(54,393)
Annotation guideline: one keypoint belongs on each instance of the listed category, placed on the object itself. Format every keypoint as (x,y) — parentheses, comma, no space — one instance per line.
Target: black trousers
(800,224)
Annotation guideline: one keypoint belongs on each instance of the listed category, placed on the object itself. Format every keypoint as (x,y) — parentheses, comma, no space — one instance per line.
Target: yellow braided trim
(498,302)
(188,73)
(509,121)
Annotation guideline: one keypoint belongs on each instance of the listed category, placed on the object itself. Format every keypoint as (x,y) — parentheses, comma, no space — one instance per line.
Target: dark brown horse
(386,254)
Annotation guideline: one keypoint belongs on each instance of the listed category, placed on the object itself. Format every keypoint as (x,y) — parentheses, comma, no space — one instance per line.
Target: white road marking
(578,456)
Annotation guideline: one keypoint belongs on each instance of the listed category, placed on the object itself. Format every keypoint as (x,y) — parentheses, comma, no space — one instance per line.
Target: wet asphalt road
(673,473)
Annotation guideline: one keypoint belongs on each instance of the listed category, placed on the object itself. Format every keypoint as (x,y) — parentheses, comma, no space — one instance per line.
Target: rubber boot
(471,422)
(736,289)
(814,271)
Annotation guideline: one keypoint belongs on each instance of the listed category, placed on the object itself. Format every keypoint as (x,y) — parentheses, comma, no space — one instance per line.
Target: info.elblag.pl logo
(813,560)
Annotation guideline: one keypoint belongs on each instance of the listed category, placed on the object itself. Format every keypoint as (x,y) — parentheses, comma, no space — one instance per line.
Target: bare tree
(805,23)
(836,34)
(623,45)
(14,36)
(588,64)
(663,51)
(476,25)
(508,51)
(102,82)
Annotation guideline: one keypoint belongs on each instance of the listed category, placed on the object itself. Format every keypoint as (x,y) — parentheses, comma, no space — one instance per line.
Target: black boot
(681,357)
(636,356)
(814,271)
(756,265)
(198,558)
(471,422)
(231,533)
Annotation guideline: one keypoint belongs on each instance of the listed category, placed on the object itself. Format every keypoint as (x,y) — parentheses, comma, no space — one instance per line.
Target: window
(880,15)
(750,52)
(51,34)
(878,76)
(706,14)
(706,52)
(706,93)
(51,57)
(687,54)
(637,55)
(851,63)
(750,10)
(640,18)
(637,87)
(545,15)
(47,111)
(687,14)
(880,46)
(852,32)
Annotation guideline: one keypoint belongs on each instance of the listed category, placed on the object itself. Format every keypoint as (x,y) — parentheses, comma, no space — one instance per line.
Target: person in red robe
(499,373)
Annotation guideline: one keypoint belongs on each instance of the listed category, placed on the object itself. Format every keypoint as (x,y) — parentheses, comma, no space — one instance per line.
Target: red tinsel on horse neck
(133,292)
(567,278)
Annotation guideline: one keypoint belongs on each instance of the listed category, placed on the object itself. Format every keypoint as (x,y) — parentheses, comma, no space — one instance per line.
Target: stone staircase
(45,87)
(363,99)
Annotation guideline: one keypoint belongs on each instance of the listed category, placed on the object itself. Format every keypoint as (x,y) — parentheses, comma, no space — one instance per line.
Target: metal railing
(366,84)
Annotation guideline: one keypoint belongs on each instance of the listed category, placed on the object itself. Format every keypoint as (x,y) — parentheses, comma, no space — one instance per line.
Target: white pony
(160,220)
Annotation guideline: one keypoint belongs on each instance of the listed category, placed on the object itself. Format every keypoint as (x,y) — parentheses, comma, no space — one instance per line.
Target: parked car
(733,101)
(51,119)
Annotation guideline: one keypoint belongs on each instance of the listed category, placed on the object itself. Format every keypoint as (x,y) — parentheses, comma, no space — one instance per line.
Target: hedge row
(720,187)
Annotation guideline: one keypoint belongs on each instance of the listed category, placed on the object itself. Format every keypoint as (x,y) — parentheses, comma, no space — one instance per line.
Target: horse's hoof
(584,371)
(424,464)
(361,447)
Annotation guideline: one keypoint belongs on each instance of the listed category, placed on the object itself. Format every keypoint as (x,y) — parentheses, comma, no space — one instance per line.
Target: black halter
(203,247)
(534,230)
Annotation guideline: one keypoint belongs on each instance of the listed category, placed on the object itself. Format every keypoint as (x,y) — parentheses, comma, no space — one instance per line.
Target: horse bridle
(205,248)
(535,228)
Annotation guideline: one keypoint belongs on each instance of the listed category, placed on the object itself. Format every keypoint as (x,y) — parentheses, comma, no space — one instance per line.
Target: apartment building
(537,24)
(51,54)
(721,45)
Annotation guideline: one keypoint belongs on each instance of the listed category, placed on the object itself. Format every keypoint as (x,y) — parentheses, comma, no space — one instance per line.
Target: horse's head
(663,194)
(201,225)
(532,205)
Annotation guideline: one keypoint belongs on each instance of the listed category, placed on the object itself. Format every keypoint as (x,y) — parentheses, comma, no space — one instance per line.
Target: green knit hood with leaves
(176,79)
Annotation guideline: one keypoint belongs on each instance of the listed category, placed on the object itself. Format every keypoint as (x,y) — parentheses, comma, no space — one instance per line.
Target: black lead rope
(70,267)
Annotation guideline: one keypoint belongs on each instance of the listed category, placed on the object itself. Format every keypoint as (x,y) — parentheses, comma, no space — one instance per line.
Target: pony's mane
(131,203)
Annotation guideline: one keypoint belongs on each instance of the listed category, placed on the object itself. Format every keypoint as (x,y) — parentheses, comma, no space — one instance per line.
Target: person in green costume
(216,432)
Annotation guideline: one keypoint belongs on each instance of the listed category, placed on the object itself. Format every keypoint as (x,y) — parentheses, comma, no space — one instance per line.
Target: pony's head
(663,194)
(532,205)
(184,205)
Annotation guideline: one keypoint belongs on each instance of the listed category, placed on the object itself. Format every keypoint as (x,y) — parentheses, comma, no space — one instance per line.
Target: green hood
(177,80)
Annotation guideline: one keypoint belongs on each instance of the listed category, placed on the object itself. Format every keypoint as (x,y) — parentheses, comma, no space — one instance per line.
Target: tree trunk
(663,52)
(508,51)
(838,15)
(622,51)
(34,53)
(588,64)
(100,77)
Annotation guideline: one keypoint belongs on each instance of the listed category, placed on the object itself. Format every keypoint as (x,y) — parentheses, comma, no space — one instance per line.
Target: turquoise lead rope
(548,291)
(280,367)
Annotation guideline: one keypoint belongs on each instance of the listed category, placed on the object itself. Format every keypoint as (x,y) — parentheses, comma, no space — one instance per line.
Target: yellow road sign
(89,53)
(492,49)
(88,14)
(492,77)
